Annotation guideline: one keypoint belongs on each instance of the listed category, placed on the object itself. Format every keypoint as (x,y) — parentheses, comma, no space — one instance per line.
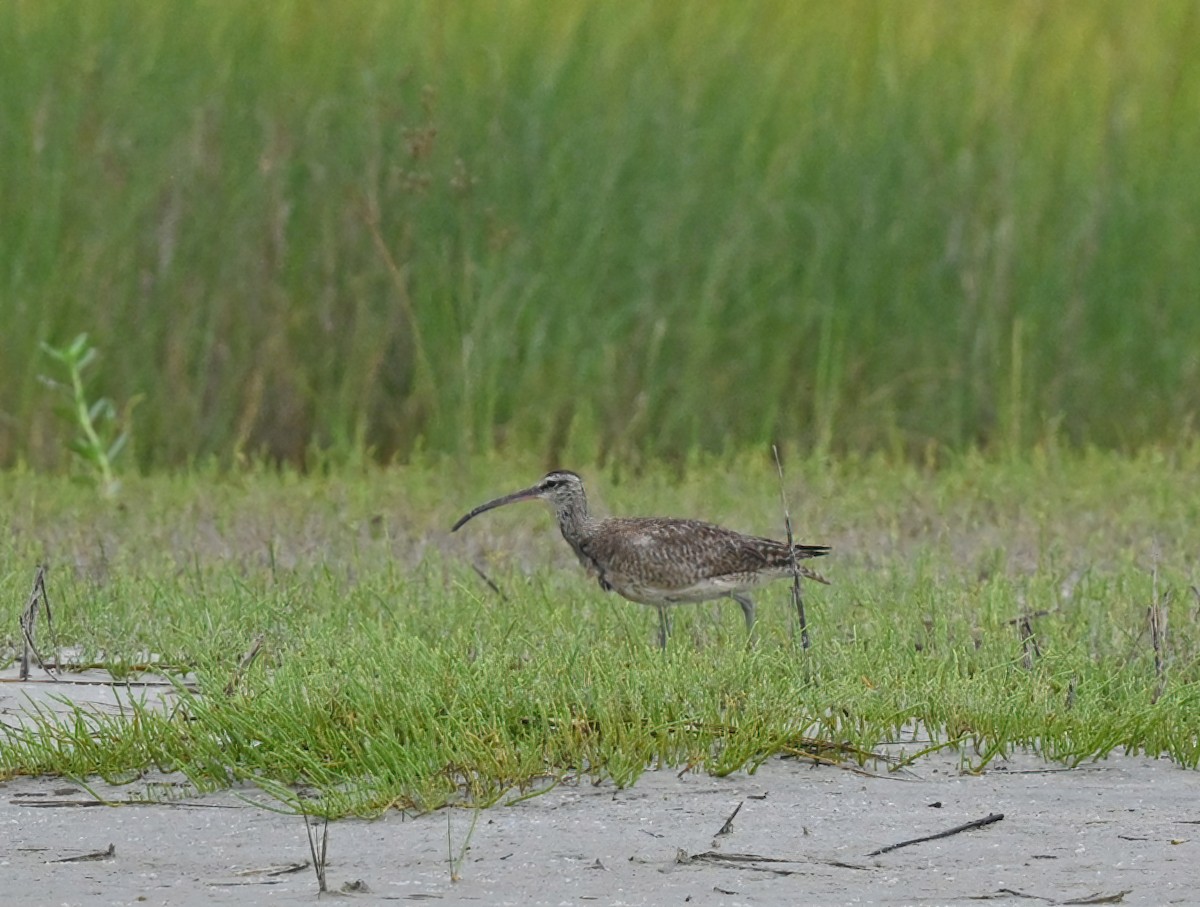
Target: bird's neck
(574,521)
(578,528)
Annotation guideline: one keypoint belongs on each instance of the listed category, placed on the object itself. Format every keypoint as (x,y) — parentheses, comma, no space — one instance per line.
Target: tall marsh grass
(637,229)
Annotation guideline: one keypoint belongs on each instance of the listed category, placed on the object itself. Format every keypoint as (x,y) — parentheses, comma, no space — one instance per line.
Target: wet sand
(1126,829)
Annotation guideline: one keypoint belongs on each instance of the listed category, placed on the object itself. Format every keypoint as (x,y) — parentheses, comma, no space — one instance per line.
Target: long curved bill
(523,495)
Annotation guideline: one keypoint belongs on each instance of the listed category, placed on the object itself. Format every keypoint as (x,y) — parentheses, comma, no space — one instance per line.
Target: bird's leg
(747,604)
(664,627)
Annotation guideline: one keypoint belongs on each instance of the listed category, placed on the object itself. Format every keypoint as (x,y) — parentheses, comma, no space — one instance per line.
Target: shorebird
(660,561)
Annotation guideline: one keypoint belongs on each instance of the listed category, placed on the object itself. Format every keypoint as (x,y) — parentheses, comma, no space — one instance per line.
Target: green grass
(635,232)
(392,676)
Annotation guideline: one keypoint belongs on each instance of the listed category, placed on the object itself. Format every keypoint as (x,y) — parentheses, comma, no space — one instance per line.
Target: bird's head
(561,489)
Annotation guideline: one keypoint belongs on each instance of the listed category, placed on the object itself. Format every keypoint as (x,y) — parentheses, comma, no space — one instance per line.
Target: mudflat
(1121,830)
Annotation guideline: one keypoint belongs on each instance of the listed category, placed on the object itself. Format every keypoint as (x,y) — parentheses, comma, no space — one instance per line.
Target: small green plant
(100,437)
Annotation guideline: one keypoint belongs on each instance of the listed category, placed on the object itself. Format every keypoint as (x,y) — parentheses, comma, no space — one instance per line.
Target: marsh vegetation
(987,605)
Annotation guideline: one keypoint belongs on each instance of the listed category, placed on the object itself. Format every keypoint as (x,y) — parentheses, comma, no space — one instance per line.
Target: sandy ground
(1126,830)
(1123,830)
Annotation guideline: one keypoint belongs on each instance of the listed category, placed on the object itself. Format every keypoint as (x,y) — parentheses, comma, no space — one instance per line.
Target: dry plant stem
(748,861)
(105,854)
(1029,645)
(728,826)
(797,596)
(957,829)
(125,801)
(1158,636)
(456,863)
(37,596)
(1030,649)
(490,582)
(318,851)
(244,665)
(1028,615)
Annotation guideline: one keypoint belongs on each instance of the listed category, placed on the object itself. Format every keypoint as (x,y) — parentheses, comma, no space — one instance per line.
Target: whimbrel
(660,561)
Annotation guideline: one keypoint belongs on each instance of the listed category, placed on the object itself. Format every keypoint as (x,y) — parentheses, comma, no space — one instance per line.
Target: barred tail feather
(803,551)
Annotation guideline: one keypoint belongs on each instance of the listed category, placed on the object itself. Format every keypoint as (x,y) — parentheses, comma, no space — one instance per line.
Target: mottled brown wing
(676,554)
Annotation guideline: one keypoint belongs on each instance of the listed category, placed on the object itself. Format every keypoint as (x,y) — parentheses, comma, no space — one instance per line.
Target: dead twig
(190,686)
(1032,615)
(271,871)
(1030,649)
(1029,646)
(797,595)
(318,844)
(89,857)
(741,860)
(1015,893)
(748,861)
(37,597)
(958,829)
(1099,898)
(728,826)
(245,663)
(490,584)
(138,667)
(130,801)
(1158,635)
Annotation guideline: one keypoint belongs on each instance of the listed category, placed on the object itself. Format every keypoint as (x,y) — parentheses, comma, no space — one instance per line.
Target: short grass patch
(987,605)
